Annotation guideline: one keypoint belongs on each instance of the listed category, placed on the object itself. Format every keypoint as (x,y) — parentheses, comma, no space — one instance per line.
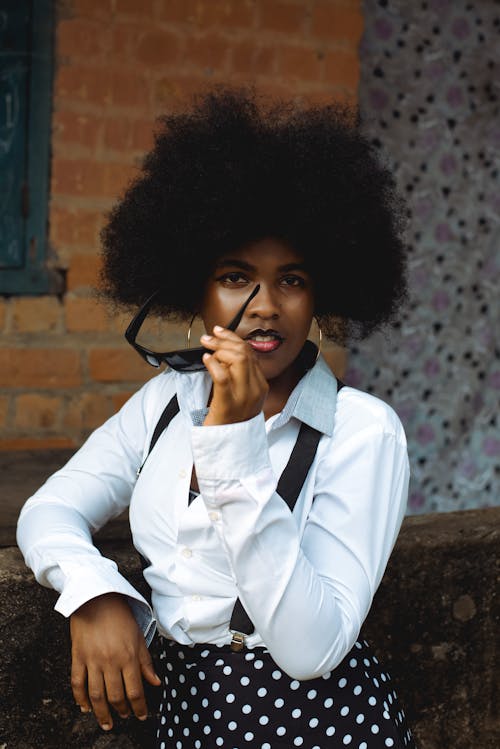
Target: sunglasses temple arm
(237,319)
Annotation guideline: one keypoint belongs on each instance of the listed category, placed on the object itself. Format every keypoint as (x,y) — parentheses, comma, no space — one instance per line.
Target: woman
(282,214)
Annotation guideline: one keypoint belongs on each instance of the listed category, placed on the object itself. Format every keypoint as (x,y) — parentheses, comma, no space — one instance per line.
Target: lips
(264,341)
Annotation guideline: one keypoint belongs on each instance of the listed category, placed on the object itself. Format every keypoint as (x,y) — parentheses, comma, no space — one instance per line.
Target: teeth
(263,338)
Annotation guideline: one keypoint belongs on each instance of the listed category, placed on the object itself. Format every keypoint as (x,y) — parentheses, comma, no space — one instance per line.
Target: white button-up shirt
(306,579)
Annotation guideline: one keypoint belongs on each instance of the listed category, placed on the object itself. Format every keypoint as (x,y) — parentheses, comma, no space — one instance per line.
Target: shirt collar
(312,401)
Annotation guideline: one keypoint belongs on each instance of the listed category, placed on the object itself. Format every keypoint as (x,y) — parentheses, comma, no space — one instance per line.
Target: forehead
(265,254)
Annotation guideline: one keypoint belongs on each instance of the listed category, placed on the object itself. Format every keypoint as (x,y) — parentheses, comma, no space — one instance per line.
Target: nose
(265,305)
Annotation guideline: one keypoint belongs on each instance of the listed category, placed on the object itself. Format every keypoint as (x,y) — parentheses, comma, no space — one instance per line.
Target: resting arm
(307,599)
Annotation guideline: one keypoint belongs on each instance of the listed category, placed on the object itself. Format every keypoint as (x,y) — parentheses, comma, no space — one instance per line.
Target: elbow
(308,661)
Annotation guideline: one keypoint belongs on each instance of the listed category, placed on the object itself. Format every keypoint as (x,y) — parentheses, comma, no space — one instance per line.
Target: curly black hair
(236,167)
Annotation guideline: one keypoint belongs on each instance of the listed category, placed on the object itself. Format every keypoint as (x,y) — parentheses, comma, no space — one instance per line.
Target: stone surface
(434,622)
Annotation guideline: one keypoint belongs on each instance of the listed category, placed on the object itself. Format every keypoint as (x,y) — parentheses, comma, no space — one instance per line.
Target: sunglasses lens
(153,360)
(186,360)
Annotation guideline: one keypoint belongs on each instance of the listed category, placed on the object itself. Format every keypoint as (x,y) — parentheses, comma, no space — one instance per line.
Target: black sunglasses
(182,360)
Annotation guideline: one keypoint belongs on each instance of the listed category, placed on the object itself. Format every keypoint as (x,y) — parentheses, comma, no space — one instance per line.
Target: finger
(135,691)
(97,695)
(218,344)
(115,692)
(79,686)
(146,665)
(225,334)
(219,372)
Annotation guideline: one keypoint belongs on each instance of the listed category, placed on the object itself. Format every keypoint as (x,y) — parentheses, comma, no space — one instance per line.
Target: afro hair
(235,167)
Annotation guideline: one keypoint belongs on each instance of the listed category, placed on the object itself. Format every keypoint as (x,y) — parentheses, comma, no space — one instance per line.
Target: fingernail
(205,337)
(218,328)
(142,717)
(84,709)
(105,726)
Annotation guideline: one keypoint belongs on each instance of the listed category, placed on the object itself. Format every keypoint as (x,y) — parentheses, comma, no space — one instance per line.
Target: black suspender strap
(289,486)
(170,410)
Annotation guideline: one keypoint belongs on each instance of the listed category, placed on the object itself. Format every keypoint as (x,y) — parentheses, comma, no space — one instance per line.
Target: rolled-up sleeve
(307,597)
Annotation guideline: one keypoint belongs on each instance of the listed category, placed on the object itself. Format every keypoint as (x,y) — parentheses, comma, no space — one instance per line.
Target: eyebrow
(249,267)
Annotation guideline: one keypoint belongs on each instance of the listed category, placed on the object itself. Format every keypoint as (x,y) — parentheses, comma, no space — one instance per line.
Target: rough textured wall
(429,94)
(119,63)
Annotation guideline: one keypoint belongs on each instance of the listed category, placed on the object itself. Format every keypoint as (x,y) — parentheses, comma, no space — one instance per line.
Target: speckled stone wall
(429,97)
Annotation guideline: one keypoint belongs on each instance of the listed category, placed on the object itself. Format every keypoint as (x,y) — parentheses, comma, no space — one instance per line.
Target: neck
(279,391)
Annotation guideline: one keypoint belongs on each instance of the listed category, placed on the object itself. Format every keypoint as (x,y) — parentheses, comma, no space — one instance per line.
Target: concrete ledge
(435,623)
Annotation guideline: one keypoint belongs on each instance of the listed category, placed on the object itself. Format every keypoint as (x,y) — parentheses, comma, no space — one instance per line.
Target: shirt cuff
(223,451)
(87,583)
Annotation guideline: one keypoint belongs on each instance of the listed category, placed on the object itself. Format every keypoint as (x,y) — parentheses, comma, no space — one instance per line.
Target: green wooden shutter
(26,48)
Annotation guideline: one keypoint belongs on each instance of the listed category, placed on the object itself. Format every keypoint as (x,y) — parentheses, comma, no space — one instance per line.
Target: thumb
(147,668)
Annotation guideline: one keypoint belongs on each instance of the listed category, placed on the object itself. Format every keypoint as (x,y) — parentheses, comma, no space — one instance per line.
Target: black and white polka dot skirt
(213,697)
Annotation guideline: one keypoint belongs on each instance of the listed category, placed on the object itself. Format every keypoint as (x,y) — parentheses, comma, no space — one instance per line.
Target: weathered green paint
(26,57)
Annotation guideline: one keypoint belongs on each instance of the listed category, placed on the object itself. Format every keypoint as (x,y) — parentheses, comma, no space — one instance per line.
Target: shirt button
(213,515)
(187,553)
(182,473)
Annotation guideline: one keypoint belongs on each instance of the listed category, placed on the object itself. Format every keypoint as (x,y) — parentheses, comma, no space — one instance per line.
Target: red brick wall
(64,367)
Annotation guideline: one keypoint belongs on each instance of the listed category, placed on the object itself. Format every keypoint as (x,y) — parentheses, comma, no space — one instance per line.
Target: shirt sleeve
(306,597)
(56,524)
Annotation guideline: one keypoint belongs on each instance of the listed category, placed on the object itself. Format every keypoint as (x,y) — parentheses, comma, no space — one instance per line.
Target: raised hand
(239,387)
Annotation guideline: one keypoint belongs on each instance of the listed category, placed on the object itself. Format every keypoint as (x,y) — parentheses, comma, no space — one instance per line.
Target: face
(277,321)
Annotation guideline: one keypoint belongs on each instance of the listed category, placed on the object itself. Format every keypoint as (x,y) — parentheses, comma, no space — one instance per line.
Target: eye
(292,280)
(233,278)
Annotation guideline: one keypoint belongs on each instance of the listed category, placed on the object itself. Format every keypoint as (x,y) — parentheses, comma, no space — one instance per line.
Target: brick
(118,134)
(85,315)
(273,88)
(142,136)
(247,57)
(142,9)
(101,9)
(157,48)
(227,13)
(81,39)
(337,21)
(181,11)
(40,368)
(74,227)
(37,443)
(282,17)
(79,177)
(4,407)
(119,399)
(130,90)
(170,94)
(35,412)
(342,68)
(78,84)
(207,51)
(300,62)
(118,365)
(36,314)
(123,39)
(71,128)
(83,272)
(87,411)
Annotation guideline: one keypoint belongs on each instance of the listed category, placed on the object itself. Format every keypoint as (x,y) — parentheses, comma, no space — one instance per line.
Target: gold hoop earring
(188,334)
(320,339)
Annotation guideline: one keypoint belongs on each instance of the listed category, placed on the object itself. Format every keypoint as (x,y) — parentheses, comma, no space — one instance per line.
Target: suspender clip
(237,642)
